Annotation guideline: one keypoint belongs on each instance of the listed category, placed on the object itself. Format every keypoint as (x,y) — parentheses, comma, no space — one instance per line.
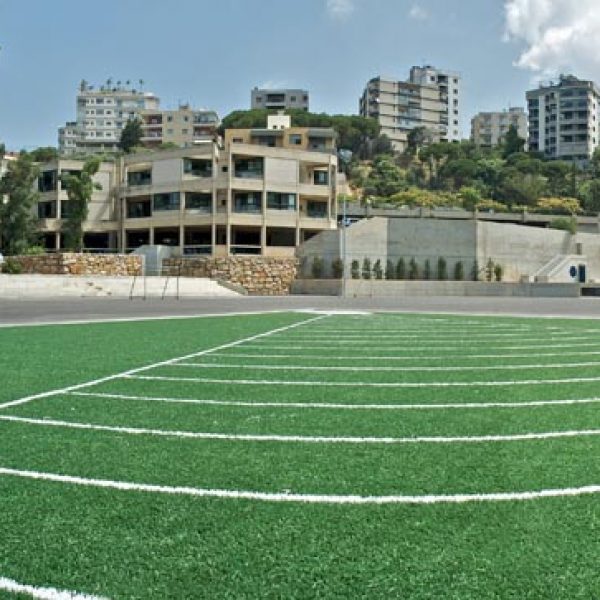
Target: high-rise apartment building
(101,115)
(564,119)
(429,99)
(488,129)
(279,99)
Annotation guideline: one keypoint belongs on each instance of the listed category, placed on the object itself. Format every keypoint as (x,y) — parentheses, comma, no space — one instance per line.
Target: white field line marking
(334,406)
(373,341)
(418,336)
(45,593)
(415,348)
(304,498)
(404,358)
(305,439)
(154,365)
(376,384)
(386,368)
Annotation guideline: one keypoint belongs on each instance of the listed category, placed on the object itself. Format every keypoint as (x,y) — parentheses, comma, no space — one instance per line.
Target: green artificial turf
(130,544)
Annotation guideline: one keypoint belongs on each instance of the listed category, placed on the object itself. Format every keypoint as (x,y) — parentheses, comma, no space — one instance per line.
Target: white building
(564,119)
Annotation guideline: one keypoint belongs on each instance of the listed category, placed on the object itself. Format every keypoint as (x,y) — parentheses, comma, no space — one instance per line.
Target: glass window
(201,201)
(295,139)
(166,201)
(46,210)
(251,168)
(317,210)
(47,181)
(199,167)
(281,201)
(247,202)
(139,177)
(66,209)
(137,209)
(321,178)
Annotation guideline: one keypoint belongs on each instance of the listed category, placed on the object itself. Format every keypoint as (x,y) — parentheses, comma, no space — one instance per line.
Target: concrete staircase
(52,286)
(557,269)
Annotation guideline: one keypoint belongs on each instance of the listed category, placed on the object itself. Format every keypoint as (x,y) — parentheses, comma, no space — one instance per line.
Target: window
(47,181)
(46,210)
(238,140)
(281,201)
(184,131)
(66,209)
(316,210)
(170,118)
(167,201)
(139,177)
(200,201)
(186,119)
(247,202)
(250,168)
(137,209)
(295,139)
(293,98)
(198,167)
(320,177)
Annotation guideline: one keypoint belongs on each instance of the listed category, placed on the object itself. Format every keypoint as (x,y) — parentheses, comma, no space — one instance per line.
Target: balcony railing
(189,250)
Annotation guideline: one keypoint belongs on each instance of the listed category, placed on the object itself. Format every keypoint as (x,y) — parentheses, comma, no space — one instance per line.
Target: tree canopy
(131,135)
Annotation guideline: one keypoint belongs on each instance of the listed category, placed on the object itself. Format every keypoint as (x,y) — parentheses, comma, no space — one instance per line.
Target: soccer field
(299,455)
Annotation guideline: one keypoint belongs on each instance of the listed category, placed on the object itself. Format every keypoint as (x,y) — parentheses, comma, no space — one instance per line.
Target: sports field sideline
(301,455)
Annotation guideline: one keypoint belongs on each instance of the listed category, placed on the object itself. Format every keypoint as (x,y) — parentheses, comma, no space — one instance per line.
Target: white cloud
(559,35)
(339,9)
(418,13)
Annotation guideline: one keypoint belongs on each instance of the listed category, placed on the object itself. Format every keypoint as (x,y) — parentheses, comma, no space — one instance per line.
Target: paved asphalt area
(92,309)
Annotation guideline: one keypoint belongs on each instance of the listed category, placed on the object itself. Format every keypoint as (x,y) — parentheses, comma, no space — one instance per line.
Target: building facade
(262,193)
(429,99)
(488,129)
(564,119)
(279,99)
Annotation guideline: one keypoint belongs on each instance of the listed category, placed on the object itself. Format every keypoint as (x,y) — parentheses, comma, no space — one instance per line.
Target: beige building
(564,119)
(488,129)
(430,99)
(183,127)
(263,192)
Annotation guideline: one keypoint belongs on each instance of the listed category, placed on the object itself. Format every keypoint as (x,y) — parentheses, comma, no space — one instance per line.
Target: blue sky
(212,52)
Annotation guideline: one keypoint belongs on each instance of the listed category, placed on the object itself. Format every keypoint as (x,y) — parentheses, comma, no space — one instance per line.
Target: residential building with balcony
(429,99)
(279,99)
(263,192)
(183,127)
(564,119)
(101,116)
(488,129)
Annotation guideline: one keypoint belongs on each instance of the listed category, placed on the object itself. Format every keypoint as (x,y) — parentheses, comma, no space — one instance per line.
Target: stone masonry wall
(259,276)
(71,263)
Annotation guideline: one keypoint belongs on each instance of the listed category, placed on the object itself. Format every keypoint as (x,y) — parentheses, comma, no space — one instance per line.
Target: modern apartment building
(183,127)
(430,99)
(488,129)
(263,192)
(101,115)
(279,99)
(564,119)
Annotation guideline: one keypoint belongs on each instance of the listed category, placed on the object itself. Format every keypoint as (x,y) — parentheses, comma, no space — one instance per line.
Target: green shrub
(442,269)
(355,270)
(11,267)
(413,269)
(400,269)
(427,270)
(35,251)
(489,270)
(498,272)
(459,271)
(317,267)
(366,268)
(564,224)
(390,272)
(475,272)
(378,269)
(337,268)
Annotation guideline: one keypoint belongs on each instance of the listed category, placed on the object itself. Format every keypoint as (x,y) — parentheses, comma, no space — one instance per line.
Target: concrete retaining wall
(358,288)
(72,263)
(259,276)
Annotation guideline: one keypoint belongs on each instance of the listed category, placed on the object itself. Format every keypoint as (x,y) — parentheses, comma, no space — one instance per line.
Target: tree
(44,154)
(131,135)
(17,221)
(512,143)
(80,187)
(591,196)
(385,178)
(416,139)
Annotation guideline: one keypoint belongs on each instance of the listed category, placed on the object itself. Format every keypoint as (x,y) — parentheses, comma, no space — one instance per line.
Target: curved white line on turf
(44,593)
(163,363)
(303,498)
(306,439)
(333,406)
(386,368)
(376,384)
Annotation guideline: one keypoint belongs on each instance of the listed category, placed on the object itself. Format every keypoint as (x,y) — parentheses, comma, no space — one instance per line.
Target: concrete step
(51,286)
